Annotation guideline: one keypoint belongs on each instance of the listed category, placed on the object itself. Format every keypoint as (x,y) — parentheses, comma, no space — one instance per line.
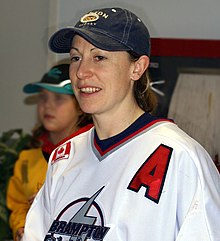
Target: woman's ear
(140,66)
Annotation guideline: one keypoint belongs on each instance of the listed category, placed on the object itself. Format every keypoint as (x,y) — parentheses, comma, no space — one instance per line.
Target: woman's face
(101,79)
(57,112)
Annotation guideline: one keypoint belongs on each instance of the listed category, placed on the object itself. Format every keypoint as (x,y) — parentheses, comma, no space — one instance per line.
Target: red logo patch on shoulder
(62,152)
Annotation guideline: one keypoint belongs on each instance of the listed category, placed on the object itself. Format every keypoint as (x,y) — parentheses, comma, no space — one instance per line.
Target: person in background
(133,176)
(59,116)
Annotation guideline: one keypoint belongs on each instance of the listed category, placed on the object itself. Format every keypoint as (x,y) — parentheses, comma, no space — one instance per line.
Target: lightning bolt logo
(81,217)
(81,226)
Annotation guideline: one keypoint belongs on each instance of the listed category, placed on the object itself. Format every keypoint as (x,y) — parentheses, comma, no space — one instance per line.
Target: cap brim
(61,41)
(36,87)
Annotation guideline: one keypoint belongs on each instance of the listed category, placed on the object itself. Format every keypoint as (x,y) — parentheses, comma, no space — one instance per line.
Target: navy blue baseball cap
(111,29)
(56,80)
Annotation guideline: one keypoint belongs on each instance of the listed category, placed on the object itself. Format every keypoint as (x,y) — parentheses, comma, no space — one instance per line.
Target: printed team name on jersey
(81,220)
(62,152)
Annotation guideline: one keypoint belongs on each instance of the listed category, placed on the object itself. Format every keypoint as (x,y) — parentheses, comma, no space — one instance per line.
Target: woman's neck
(108,126)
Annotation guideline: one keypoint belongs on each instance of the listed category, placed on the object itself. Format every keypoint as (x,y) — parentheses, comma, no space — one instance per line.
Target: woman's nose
(84,69)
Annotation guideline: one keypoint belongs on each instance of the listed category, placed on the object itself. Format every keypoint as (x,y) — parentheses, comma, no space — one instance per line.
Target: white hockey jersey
(152,182)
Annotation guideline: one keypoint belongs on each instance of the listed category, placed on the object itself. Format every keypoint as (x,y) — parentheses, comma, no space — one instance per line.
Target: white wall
(23,58)
(170,18)
(25,24)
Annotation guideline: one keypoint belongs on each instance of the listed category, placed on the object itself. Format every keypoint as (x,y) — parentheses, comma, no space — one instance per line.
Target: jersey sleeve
(202,219)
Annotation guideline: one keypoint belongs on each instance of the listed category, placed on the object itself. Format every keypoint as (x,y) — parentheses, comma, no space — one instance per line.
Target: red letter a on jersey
(152,173)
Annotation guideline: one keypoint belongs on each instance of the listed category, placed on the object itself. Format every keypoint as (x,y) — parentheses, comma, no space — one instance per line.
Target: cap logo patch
(90,17)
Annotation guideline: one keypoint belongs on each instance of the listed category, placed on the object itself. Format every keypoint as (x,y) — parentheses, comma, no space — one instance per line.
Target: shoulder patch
(61,152)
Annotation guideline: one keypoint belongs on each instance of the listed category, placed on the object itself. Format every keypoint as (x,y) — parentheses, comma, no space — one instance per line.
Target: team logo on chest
(80,220)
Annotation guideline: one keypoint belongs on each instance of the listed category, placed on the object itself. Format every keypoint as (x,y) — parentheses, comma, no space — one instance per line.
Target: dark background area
(173,56)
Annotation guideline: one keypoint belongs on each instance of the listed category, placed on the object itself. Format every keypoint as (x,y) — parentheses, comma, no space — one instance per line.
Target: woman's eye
(99,57)
(74,58)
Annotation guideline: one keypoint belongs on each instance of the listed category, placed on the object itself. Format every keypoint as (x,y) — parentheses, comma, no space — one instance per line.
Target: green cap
(56,80)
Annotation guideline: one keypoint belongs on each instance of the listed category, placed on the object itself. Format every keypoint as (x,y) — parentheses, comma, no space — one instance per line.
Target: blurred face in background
(58,113)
